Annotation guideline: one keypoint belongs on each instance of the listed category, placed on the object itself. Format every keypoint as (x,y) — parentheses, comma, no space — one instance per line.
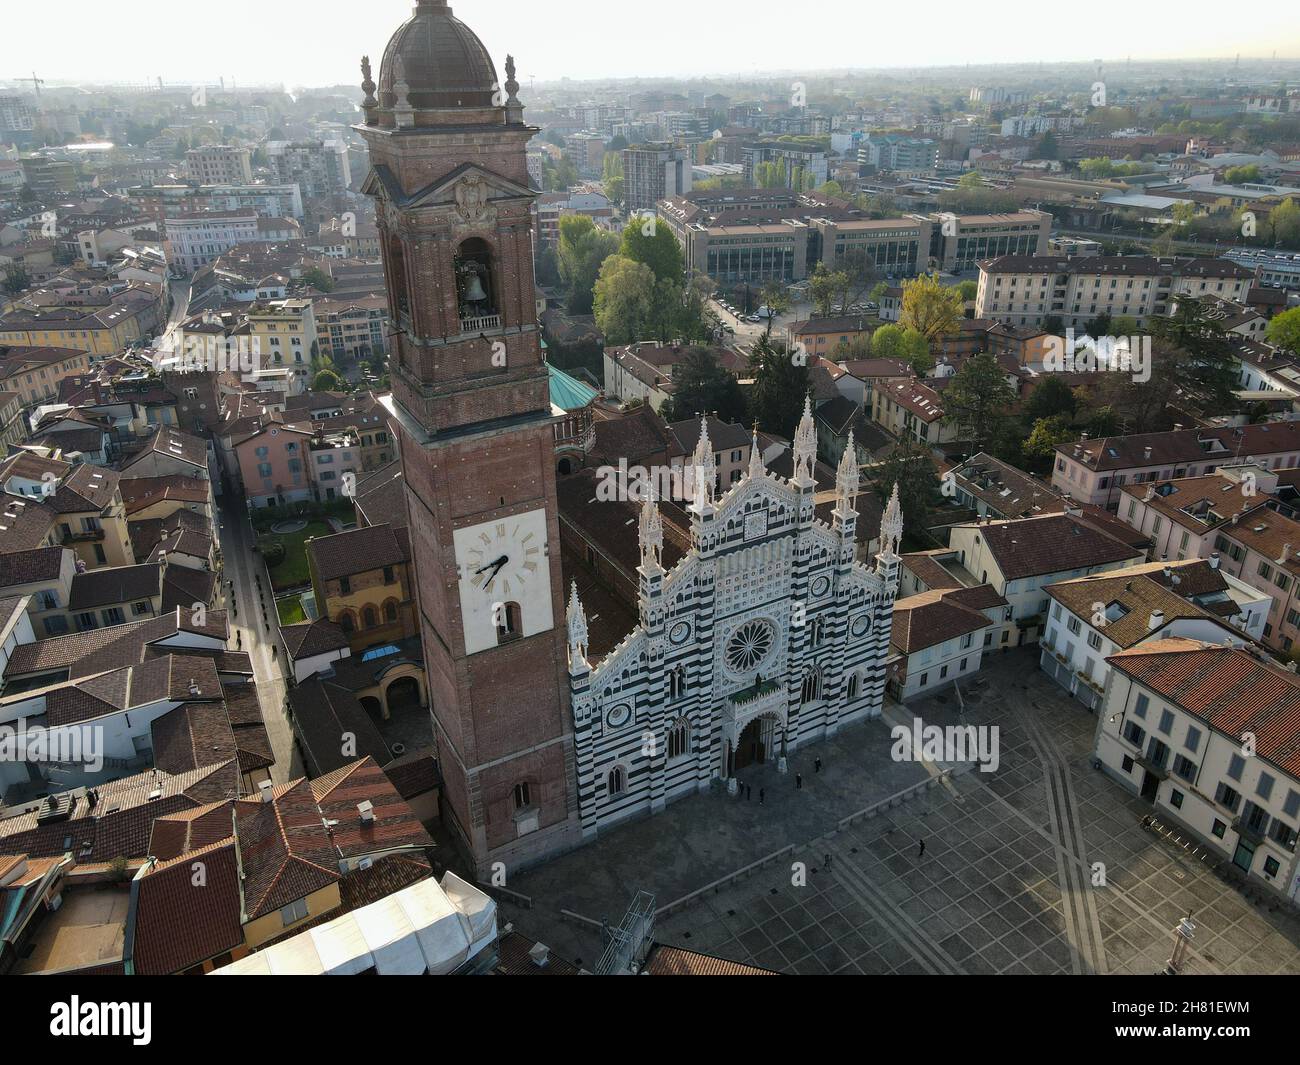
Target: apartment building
(1170,731)
(1021,558)
(1183,516)
(352,329)
(1262,547)
(1024,289)
(654,172)
(34,371)
(197,240)
(318,167)
(284,334)
(940,637)
(911,408)
(1094,617)
(1095,471)
(802,167)
(962,242)
(888,151)
(587,150)
(102,323)
(219,164)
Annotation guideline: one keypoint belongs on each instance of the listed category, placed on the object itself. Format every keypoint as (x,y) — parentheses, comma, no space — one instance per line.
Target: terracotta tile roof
(181,921)
(1227,687)
(24,523)
(1007,491)
(675,961)
(192,735)
(931,618)
(1273,535)
(1054,543)
(323,714)
(183,586)
(1192,446)
(1131,596)
(113,585)
(310,638)
(1198,503)
(192,829)
(118,824)
(513,959)
(285,848)
(394,825)
(925,566)
(175,444)
(381,497)
(635,436)
(141,492)
(87,487)
(30,567)
(356,551)
(414,773)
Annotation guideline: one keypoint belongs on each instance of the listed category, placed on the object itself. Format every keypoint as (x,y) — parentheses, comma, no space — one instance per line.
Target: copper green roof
(567,392)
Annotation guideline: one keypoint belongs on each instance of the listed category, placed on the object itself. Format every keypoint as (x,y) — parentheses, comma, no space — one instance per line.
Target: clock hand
(496,568)
(497,563)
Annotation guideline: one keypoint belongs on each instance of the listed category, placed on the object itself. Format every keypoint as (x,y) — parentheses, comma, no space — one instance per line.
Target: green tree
(976,399)
(896,342)
(583,248)
(1209,366)
(825,287)
(1241,175)
(647,241)
(16,279)
(910,466)
(930,308)
(1284,224)
(612,175)
(776,301)
(970,180)
(968,290)
(780,385)
(327,380)
(1040,445)
(624,299)
(318,279)
(1284,330)
(702,385)
(1050,397)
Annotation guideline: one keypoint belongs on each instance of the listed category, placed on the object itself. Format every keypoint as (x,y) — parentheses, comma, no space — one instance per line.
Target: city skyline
(332,57)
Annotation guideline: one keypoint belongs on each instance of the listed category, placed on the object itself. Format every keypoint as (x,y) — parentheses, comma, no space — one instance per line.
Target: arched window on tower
(617,781)
(508,620)
(811,690)
(852,692)
(477,299)
(679,738)
(397,282)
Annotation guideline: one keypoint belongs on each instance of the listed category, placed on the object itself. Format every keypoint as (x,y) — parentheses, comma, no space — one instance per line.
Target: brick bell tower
(471,405)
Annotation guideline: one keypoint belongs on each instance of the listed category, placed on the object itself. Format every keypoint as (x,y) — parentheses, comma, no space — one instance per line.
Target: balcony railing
(478,325)
(755,691)
(83,536)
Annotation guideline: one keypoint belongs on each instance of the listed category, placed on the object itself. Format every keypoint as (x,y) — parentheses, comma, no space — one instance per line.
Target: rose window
(748,646)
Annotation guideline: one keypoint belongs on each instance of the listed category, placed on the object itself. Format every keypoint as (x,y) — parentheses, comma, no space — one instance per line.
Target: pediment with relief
(470,190)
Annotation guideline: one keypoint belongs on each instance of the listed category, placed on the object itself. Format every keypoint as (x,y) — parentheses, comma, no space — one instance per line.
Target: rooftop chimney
(367,811)
(1146,453)
(1156,620)
(266,788)
(540,955)
(1286,553)
(1214,560)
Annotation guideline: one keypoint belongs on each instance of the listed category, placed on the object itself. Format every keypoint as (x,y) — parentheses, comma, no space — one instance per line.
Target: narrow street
(254,631)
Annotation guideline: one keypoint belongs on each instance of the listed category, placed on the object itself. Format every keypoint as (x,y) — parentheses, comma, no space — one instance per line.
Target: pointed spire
(577,623)
(756,467)
(651,531)
(891,525)
(805,443)
(846,476)
(704,468)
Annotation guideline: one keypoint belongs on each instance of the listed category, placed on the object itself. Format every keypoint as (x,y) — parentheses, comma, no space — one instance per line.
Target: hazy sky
(317,42)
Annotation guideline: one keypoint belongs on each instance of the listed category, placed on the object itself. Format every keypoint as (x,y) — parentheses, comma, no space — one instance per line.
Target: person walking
(817,765)
(798,782)
(749,791)
(761,795)
(826,863)
(921,851)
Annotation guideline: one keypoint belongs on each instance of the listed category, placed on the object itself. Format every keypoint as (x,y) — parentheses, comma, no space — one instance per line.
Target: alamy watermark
(1085,354)
(919,742)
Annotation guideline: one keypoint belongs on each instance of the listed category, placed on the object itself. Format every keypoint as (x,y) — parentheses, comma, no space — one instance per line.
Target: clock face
(504,575)
(501,558)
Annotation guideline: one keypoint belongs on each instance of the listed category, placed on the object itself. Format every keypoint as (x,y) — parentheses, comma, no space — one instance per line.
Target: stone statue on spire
(577,620)
(891,525)
(651,531)
(704,469)
(847,478)
(805,444)
(367,87)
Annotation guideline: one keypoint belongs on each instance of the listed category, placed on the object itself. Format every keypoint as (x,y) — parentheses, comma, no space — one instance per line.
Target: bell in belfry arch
(474,290)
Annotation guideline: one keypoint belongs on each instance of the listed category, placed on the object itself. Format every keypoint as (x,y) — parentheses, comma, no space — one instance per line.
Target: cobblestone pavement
(1005,883)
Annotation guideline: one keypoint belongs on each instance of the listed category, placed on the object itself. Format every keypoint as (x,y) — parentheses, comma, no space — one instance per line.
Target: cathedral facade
(765,636)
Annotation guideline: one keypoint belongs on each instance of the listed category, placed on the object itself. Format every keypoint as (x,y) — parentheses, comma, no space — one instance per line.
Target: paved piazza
(1003,884)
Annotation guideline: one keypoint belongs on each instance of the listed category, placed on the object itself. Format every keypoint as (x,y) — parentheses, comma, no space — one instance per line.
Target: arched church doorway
(402,693)
(752,747)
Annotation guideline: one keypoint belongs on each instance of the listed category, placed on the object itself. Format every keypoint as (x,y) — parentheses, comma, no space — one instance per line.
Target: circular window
(619,716)
(679,632)
(820,586)
(859,625)
(749,645)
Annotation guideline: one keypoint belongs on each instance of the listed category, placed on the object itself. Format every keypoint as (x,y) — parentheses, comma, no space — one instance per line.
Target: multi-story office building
(654,172)
(887,151)
(587,150)
(319,167)
(803,167)
(961,242)
(1024,289)
(219,164)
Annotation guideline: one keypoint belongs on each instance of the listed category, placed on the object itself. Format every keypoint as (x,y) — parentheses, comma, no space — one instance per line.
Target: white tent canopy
(425,928)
